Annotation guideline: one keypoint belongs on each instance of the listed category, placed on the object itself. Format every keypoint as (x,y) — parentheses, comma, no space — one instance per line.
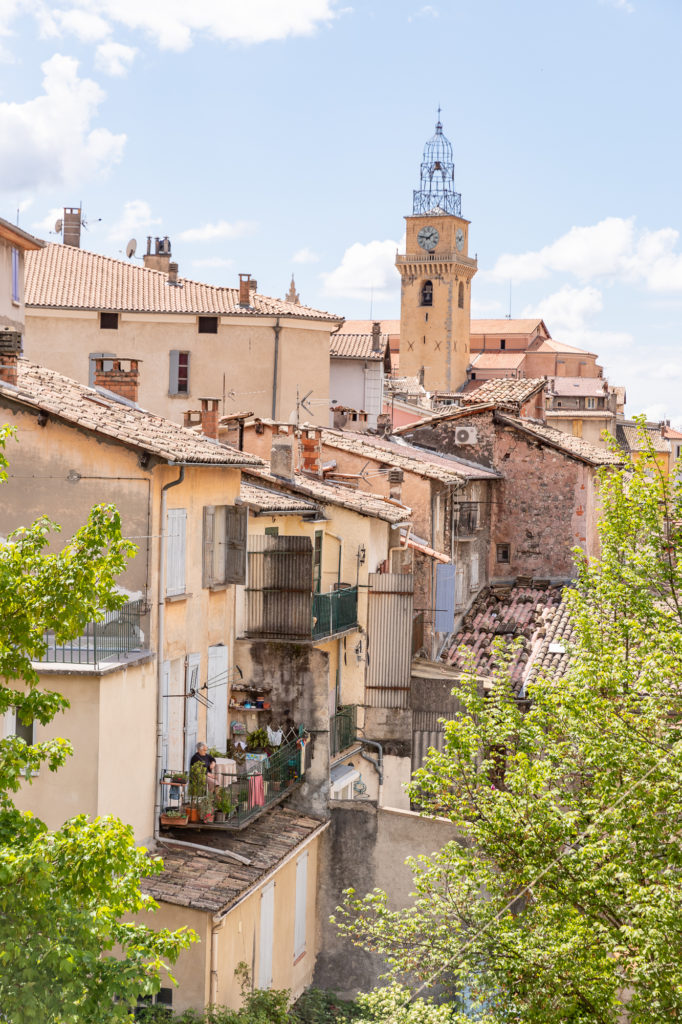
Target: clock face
(459,239)
(428,238)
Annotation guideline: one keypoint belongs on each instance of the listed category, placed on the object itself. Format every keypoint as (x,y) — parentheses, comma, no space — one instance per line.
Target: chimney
(10,350)
(158,255)
(191,418)
(122,376)
(282,457)
(395,484)
(244,290)
(376,336)
(172,273)
(209,417)
(311,450)
(72,226)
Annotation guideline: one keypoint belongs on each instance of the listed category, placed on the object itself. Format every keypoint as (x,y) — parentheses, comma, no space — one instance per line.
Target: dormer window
(427,294)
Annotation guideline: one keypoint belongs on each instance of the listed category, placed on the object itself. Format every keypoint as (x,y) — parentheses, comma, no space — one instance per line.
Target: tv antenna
(131,248)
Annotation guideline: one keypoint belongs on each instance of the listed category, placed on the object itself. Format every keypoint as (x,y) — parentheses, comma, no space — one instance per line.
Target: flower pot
(167,819)
(194,814)
(219,816)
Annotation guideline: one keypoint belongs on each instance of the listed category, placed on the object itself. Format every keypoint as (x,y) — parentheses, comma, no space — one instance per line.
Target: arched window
(460,295)
(427,294)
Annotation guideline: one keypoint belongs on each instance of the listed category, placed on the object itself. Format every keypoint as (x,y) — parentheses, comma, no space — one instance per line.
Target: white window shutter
(208,546)
(267,920)
(166,712)
(301,904)
(192,684)
(176,528)
(473,581)
(174,358)
(216,713)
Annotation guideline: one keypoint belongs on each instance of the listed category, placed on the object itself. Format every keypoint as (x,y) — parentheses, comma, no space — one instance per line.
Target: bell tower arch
(436,273)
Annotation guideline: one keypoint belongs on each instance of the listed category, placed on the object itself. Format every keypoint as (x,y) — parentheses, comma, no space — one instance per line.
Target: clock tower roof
(436,193)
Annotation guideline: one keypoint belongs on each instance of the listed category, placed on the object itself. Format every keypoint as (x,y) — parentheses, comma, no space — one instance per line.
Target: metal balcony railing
(118,633)
(334,612)
(343,728)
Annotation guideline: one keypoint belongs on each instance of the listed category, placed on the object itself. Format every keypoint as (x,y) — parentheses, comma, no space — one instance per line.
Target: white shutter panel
(165,692)
(175,551)
(174,358)
(216,713)
(267,920)
(191,706)
(301,904)
(459,587)
(473,580)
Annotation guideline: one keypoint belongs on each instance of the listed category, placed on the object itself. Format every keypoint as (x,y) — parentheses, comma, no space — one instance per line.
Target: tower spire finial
(436,193)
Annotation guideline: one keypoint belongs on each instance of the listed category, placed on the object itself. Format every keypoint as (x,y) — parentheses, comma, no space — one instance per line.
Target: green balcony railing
(343,728)
(335,612)
(118,633)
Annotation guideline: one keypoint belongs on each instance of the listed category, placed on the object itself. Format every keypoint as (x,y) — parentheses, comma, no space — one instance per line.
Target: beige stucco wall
(221,365)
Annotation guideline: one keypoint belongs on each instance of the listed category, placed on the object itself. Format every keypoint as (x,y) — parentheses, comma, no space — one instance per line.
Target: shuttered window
(176,527)
(178,383)
(224,545)
(216,691)
(473,572)
(301,905)
(15,275)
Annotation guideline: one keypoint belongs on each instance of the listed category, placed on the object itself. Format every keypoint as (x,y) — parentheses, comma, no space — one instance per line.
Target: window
(503,344)
(301,905)
(577,428)
(504,554)
(590,403)
(473,574)
(317,561)
(465,517)
(179,373)
(272,531)
(176,526)
(15,275)
(460,295)
(108,321)
(224,545)
(426,294)
(473,375)
(208,325)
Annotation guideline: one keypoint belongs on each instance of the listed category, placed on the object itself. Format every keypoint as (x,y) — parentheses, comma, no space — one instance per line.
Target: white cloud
(365,269)
(213,261)
(427,11)
(136,218)
(221,229)
(114,58)
(620,5)
(305,255)
(49,220)
(88,26)
(568,314)
(49,140)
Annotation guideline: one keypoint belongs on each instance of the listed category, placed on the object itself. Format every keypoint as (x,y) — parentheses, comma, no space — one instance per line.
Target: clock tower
(436,273)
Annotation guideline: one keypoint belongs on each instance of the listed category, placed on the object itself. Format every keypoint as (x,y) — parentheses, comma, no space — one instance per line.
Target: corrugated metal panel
(427,732)
(279,594)
(389,635)
(445,598)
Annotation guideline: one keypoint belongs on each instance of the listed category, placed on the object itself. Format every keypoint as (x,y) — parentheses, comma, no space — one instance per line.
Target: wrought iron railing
(334,612)
(343,728)
(119,632)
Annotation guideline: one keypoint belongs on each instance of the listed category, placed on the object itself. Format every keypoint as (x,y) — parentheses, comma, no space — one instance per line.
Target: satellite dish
(131,247)
(58,226)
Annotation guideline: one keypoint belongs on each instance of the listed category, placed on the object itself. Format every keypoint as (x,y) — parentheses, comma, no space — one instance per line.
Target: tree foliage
(561,900)
(64,894)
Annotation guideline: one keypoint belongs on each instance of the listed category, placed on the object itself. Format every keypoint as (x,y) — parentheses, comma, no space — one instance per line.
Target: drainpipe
(159,645)
(218,923)
(276,329)
(378,762)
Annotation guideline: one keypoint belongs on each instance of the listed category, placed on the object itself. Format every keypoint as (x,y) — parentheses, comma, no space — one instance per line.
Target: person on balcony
(202,756)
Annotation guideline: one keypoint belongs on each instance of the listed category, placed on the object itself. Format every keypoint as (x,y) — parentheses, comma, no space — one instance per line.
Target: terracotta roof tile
(365,326)
(63,277)
(325,492)
(573,446)
(100,411)
(431,465)
(505,391)
(569,387)
(357,346)
(498,360)
(274,501)
(628,437)
(550,345)
(506,326)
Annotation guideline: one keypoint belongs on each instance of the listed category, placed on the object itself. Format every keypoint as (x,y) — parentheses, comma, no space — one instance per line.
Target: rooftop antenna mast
(510,294)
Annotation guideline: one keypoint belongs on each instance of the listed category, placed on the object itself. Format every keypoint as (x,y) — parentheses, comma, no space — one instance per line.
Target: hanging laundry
(275,737)
(256,791)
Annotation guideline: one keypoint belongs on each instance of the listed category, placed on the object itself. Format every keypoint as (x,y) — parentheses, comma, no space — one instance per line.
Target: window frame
(500,548)
(108,321)
(224,545)
(179,370)
(207,324)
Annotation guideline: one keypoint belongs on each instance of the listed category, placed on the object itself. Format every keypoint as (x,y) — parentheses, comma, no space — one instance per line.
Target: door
(216,713)
(191,705)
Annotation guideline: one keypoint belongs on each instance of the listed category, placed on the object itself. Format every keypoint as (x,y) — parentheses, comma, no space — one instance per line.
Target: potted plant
(206,808)
(174,816)
(257,740)
(197,789)
(224,807)
(179,778)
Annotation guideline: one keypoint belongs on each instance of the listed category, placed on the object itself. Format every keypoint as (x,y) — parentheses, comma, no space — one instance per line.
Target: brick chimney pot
(210,416)
(123,378)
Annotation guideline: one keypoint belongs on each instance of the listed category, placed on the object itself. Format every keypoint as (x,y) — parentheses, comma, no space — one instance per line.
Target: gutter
(160,645)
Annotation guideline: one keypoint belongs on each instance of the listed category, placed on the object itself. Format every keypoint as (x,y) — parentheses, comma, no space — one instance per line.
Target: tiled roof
(570,445)
(579,414)
(627,435)
(550,345)
(506,326)
(365,326)
(63,277)
(274,501)
(498,360)
(670,432)
(356,346)
(211,882)
(449,412)
(535,614)
(431,465)
(99,411)
(326,493)
(405,385)
(505,391)
(567,387)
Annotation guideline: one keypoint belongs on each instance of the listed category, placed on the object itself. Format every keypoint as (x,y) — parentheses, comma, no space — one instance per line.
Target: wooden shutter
(267,920)
(460,599)
(175,551)
(208,542)
(216,713)
(473,572)
(191,706)
(235,543)
(165,736)
(301,904)
(174,358)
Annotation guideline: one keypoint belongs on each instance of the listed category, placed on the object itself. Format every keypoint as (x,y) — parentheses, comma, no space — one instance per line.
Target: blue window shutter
(445,598)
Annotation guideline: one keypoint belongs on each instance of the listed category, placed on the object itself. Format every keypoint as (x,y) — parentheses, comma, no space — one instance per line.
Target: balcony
(335,612)
(343,729)
(116,635)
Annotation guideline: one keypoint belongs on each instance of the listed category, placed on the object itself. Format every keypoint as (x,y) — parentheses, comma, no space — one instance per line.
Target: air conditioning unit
(465,435)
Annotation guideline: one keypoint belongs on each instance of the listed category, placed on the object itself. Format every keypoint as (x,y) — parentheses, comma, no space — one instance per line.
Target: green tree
(64,894)
(561,901)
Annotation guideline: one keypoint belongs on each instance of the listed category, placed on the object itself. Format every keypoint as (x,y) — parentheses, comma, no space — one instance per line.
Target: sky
(274,137)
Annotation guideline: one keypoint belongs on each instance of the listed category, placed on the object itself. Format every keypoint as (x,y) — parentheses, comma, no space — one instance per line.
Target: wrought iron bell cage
(436,194)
